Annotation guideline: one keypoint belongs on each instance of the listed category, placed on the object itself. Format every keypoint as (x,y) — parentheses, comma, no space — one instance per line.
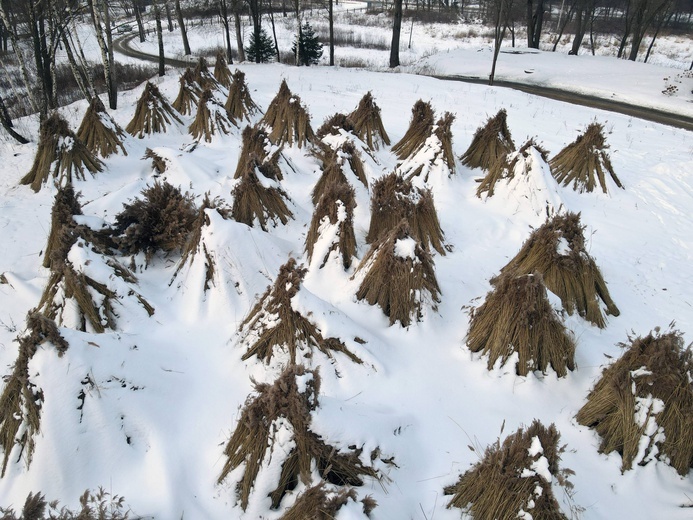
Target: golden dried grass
(221,70)
(256,143)
(490,142)
(320,503)
(65,206)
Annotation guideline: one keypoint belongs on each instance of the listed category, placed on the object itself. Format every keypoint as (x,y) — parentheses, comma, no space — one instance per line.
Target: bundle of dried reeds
(221,70)
(256,143)
(491,142)
(65,206)
(99,133)
(517,317)
(287,120)
(584,163)
(368,126)
(153,113)
(420,128)
(274,324)
(60,154)
(435,150)
(557,251)
(400,276)
(240,105)
(335,208)
(334,161)
(211,119)
(642,406)
(188,94)
(203,77)
(334,124)
(506,484)
(284,402)
(320,503)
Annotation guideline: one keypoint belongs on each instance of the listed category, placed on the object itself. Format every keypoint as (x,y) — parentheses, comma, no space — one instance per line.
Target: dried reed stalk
(368,126)
(188,94)
(585,162)
(491,142)
(642,406)
(153,113)
(287,120)
(99,133)
(420,128)
(517,317)
(256,143)
(221,70)
(240,105)
(504,167)
(210,120)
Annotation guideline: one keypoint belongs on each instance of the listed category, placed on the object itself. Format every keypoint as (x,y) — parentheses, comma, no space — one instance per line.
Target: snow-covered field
(162,394)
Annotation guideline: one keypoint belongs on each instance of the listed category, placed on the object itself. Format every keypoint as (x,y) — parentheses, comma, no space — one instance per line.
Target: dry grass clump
(99,505)
(517,317)
(273,323)
(287,119)
(420,128)
(60,154)
(504,167)
(269,410)
(256,143)
(188,94)
(65,206)
(491,142)
(585,162)
(240,105)
(394,199)
(320,503)
(557,251)
(253,201)
(20,401)
(211,118)
(367,124)
(221,70)
(334,124)
(642,407)
(99,133)
(161,220)
(335,208)
(400,276)
(510,480)
(153,113)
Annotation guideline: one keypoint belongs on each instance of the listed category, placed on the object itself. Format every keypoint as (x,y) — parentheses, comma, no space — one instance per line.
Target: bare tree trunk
(236,5)
(77,71)
(298,33)
(396,29)
(7,124)
(664,19)
(160,38)
(183,31)
(579,32)
(138,19)
(274,35)
(224,16)
(98,29)
(111,80)
(82,59)
(169,20)
(565,23)
(499,34)
(331,25)
(20,60)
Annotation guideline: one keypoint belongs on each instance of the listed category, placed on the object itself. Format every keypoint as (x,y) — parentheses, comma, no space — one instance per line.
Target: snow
(163,394)
(406,248)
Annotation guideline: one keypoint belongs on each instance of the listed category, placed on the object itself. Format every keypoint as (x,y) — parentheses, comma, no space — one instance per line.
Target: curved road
(122,45)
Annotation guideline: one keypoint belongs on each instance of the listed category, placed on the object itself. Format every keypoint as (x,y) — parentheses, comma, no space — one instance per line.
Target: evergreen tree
(261,51)
(309,48)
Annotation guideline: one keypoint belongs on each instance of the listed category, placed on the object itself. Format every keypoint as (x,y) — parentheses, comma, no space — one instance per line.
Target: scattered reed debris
(211,119)
(584,163)
(99,133)
(557,251)
(273,323)
(491,142)
(322,503)
(333,221)
(221,70)
(367,124)
(283,411)
(400,276)
(517,317)
(188,94)
(334,124)
(287,120)
(253,201)
(395,199)
(240,105)
(642,406)
(256,143)
(60,154)
(514,479)
(153,114)
(420,128)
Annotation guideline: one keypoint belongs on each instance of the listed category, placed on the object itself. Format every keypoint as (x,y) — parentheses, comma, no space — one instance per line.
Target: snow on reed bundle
(333,169)
(584,162)
(239,104)
(368,126)
(434,152)
(321,502)
(642,406)
(21,399)
(490,142)
(283,410)
(420,128)
(60,154)
(514,479)
(256,201)
(203,77)
(273,323)
(153,114)
(400,276)
(99,133)
(287,120)
(507,166)
(517,317)
(188,94)
(557,251)
(394,199)
(256,143)
(334,124)
(211,119)
(65,206)
(335,208)
(221,70)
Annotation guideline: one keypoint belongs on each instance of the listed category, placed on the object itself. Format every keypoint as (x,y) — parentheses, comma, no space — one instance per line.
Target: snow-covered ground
(163,394)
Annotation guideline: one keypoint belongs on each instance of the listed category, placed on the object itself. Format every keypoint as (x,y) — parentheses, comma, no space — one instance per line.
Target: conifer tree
(309,48)
(260,51)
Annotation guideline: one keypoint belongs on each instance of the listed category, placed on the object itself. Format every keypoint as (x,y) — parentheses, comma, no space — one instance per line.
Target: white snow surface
(165,393)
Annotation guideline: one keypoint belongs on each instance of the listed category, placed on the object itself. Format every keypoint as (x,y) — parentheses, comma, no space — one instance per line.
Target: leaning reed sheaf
(240,105)
(100,134)
(210,119)
(367,124)
(153,113)
(420,128)
(287,120)
(490,143)
(189,93)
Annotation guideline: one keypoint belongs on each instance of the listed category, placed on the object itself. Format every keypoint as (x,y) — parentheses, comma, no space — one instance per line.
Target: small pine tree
(309,48)
(260,51)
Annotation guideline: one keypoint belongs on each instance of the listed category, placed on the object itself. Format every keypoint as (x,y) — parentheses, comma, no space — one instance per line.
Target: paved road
(122,45)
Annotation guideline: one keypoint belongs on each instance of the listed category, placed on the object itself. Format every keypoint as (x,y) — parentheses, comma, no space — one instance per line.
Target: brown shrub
(65,206)
(320,503)
(491,142)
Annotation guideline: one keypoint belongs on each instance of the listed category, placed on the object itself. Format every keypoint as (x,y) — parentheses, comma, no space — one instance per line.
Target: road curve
(122,45)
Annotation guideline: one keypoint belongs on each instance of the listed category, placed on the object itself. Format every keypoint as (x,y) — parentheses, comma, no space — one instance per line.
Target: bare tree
(396,29)
(137,7)
(224,16)
(183,30)
(535,20)
(500,10)
(236,6)
(160,39)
